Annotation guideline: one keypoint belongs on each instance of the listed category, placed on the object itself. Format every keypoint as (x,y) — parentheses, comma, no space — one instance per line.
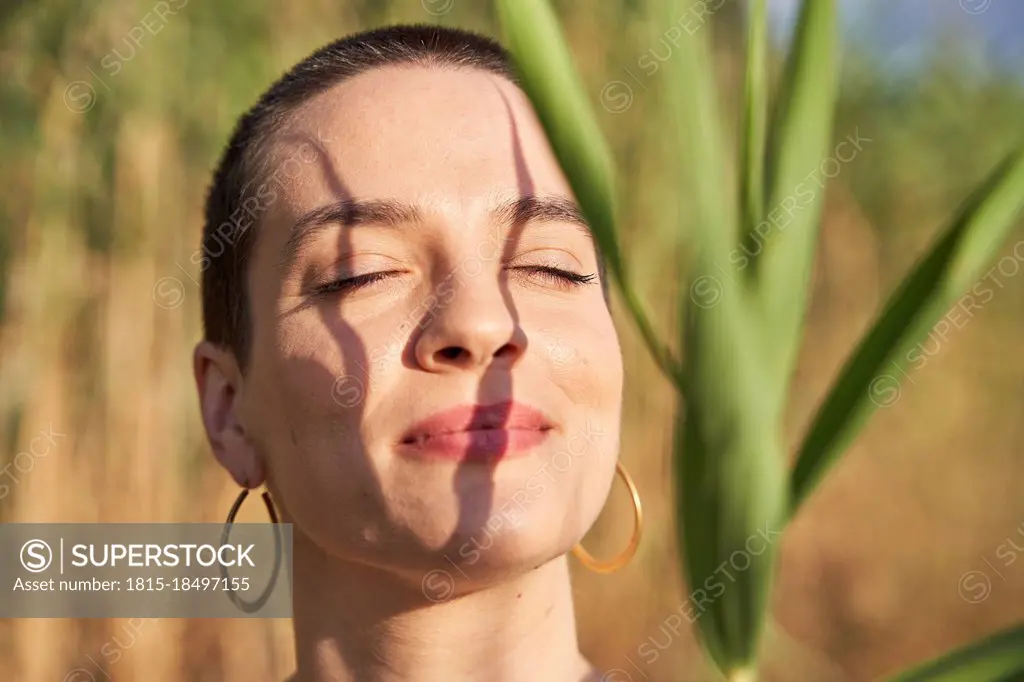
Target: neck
(355,623)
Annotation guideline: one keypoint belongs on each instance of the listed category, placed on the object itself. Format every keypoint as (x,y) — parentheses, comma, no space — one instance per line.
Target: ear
(219,381)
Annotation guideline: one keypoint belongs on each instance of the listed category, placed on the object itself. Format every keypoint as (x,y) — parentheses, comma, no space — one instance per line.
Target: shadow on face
(434,376)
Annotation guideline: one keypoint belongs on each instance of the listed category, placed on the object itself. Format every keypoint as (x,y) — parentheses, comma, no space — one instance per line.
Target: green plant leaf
(703,153)
(551,81)
(998,658)
(755,115)
(730,478)
(549,78)
(785,238)
(953,266)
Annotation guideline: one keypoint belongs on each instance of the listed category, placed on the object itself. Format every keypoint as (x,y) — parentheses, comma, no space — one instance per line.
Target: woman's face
(434,378)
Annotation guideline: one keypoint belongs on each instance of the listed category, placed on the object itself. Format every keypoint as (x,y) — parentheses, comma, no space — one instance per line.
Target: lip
(478,432)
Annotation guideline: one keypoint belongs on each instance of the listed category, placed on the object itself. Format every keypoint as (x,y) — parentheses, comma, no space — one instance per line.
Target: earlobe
(218,382)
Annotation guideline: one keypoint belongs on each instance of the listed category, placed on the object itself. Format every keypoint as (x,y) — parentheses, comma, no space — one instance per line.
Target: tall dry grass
(102,206)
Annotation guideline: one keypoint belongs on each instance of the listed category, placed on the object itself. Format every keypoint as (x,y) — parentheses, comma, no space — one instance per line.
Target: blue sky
(903,30)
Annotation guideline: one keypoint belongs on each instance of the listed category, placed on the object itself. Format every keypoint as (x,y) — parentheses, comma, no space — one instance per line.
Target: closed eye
(565,279)
(559,277)
(350,284)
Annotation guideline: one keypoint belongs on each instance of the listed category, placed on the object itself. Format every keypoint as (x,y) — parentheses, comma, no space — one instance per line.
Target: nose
(472,326)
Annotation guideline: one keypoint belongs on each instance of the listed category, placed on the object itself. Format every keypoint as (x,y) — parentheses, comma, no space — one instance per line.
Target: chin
(489,556)
(489,521)
(519,534)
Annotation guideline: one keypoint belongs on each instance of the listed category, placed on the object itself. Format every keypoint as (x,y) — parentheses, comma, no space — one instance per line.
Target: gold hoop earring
(626,555)
(260,602)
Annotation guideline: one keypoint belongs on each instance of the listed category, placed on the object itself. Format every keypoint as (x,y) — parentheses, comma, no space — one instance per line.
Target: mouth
(478,432)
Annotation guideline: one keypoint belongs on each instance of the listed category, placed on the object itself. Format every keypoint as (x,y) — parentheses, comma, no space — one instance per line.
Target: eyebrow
(527,209)
(347,213)
(351,213)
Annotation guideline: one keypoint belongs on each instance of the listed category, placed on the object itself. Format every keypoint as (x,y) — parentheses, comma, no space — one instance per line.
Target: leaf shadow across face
(348,390)
(475,497)
(475,505)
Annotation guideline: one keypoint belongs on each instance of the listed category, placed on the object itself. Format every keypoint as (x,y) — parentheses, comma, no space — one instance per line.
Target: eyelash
(353,283)
(557,276)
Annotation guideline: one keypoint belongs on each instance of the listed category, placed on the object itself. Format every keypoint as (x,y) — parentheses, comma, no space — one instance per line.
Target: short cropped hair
(228,240)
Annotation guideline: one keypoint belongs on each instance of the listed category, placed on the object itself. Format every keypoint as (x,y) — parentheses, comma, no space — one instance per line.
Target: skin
(408,568)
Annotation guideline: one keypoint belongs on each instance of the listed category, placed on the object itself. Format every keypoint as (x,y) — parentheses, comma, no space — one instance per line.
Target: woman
(412,350)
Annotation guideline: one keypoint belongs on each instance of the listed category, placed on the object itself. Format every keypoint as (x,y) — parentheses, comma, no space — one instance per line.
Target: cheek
(584,359)
(325,367)
(304,409)
(582,352)
(307,372)
(309,431)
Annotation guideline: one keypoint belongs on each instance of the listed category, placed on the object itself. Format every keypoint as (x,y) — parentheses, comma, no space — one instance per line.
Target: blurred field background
(113,114)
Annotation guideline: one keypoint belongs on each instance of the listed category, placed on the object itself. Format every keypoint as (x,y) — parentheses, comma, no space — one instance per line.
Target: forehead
(429,135)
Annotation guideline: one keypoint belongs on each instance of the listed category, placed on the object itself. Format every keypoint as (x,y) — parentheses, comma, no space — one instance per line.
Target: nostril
(506,350)
(451,352)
